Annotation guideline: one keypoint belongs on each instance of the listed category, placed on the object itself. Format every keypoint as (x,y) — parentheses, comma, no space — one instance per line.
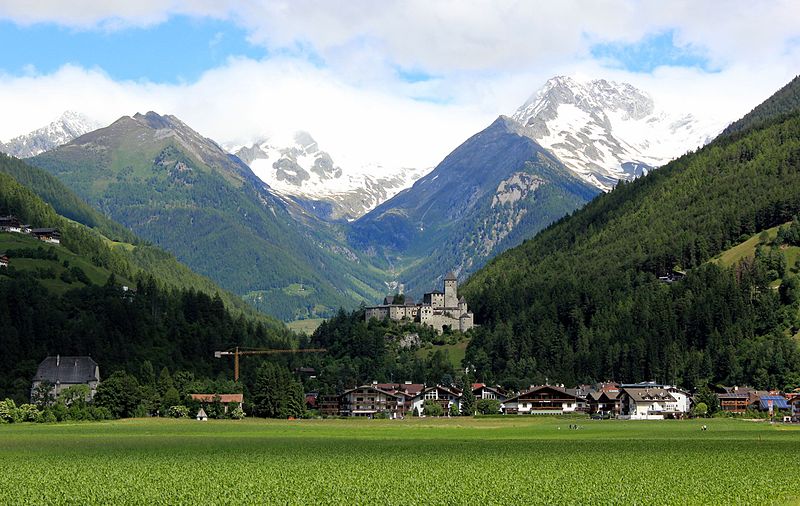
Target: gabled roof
(540,388)
(647,394)
(462,300)
(67,370)
(372,387)
(450,276)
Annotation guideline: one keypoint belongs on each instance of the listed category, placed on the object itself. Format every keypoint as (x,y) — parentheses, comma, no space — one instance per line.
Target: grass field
(307,326)
(455,352)
(520,460)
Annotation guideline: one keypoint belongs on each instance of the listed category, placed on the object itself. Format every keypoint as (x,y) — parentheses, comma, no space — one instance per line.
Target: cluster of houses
(637,401)
(12,224)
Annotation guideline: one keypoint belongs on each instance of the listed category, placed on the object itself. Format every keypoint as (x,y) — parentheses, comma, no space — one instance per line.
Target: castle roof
(462,300)
(450,276)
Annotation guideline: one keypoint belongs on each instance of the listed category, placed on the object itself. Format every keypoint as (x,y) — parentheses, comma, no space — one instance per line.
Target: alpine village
(593,293)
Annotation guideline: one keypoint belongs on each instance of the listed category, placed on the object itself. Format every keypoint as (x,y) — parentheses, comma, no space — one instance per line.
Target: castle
(437,309)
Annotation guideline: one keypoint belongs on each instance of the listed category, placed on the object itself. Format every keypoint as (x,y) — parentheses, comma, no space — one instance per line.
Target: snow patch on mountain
(67,127)
(606,131)
(295,166)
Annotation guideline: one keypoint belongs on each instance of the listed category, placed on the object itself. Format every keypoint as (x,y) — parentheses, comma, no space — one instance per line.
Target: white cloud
(486,57)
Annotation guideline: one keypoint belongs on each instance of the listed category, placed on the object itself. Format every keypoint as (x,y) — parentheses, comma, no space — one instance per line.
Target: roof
(202,413)
(67,370)
(778,402)
(371,387)
(450,276)
(539,388)
(223,398)
(648,394)
(411,389)
(44,230)
(462,300)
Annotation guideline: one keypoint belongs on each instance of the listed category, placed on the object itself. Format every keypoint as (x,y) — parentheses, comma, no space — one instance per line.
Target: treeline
(178,329)
(581,301)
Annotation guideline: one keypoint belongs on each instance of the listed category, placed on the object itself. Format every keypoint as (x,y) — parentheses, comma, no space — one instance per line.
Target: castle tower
(450,290)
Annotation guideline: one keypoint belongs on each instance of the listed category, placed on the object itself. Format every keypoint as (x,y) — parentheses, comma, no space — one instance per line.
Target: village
(605,400)
(13,225)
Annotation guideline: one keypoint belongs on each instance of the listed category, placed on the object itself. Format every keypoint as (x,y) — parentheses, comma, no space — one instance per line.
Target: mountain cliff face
(181,191)
(495,190)
(67,127)
(606,131)
(299,169)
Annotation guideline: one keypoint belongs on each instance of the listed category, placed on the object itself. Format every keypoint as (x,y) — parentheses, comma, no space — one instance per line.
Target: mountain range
(69,125)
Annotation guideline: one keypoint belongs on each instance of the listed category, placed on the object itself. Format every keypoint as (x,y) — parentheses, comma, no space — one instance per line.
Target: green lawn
(513,460)
(307,326)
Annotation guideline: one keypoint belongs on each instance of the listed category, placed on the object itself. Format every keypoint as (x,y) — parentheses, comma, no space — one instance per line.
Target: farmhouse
(48,235)
(64,372)
(542,400)
(439,310)
(646,403)
(10,224)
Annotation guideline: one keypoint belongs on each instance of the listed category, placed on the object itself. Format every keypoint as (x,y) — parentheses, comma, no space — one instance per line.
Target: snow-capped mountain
(68,126)
(606,131)
(298,168)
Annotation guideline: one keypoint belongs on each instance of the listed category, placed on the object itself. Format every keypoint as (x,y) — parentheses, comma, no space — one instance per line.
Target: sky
(401,83)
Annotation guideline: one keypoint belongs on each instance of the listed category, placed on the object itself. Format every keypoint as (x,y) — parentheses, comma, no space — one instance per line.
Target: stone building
(439,310)
(64,372)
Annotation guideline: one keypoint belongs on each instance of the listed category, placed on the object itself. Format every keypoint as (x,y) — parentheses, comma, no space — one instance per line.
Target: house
(604,402)
(369,400)
(328,405)
(10,224)
(48,235)
(736,399)
(646,403)
(311,400)
(773,403)
(446,397)
(794,403)
(481,391)
(542,400)
(202,416)
(64,372)
(3,260)
(225,399)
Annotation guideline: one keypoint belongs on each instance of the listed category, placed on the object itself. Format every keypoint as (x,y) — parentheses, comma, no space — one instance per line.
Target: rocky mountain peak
(68,126)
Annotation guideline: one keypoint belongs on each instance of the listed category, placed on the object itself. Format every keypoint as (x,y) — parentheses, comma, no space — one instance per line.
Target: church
(439,310)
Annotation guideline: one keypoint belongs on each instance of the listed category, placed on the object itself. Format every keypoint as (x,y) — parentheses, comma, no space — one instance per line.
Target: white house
(646,403)
(443,396)
(542,400)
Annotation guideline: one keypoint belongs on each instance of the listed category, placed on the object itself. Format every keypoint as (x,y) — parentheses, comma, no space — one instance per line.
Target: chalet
(604,402)
(736,399)
(328,405)
(3,260)
(48,235)
(646,403)
(369,400)
(481,391)
(794,403)
(542,400)
(225,399)
(10,224)
(443,396)
(64,372)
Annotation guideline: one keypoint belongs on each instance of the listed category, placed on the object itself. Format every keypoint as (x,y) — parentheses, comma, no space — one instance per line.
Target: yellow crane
(236,352)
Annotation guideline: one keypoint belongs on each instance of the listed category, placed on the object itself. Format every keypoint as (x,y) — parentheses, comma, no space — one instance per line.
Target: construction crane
(237,351)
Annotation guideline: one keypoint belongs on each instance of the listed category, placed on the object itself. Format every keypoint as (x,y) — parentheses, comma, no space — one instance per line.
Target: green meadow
(520,460)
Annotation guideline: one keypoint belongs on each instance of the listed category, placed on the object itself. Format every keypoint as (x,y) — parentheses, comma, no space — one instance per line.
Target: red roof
(223,398)
(477,385)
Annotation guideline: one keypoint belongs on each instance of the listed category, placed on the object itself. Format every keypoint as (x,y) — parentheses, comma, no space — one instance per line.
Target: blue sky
(651,52)
(179,50)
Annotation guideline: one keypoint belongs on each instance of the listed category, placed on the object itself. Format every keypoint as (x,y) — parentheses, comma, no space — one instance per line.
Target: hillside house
(439,310)
(225,399)
(646,403)
(3,260)
(64,372)
(48,235)
(10,224)
(369,400)
(542,400)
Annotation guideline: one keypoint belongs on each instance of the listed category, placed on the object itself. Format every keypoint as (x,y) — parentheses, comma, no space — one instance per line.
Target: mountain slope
(298,168)
(67,127)
(489,194)
(582,301)
(182,192)
(606,131)
(782,102)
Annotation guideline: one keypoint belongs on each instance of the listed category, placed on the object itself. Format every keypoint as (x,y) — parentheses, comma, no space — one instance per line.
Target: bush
(178,412)
(237,413)
(28,413)
(8,411)
(432,408)
(488,406)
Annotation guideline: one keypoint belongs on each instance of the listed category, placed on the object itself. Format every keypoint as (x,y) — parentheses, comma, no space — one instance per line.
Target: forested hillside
(785,101)
(582,300)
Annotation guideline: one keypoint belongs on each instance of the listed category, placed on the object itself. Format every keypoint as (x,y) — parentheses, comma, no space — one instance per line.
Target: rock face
(606,131)
(495,190)
(300,170)
(67,127)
